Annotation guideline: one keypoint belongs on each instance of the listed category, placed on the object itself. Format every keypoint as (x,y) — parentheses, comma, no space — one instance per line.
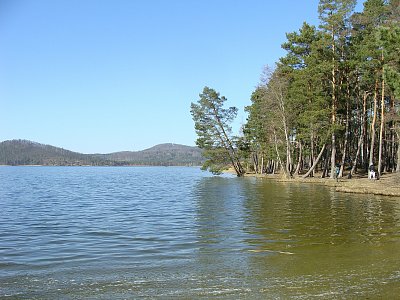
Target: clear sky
(104,76)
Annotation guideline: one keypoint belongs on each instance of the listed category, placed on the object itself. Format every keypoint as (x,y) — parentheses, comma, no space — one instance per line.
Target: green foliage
(316,93)
(209,116)
(393,79)
(306,99)
(334,14)
(212,125)
(389,40)
(217,161)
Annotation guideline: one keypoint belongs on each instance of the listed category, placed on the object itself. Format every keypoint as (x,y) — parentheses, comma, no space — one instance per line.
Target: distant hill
(163,154)
(23,152)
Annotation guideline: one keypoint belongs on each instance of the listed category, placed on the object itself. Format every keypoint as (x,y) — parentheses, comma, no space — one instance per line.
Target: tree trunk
(326,166)
(296,172)
(278,156)
(346,137)
(255,162)
(262,164)
(398,151)
(272,167)
(228,145)
(371,151)
(362,133)
(312,154)
(381,127)
(229,149)
(365,145)
(333,150)
(393,154)
(315,162)
(285,127)
(393,138)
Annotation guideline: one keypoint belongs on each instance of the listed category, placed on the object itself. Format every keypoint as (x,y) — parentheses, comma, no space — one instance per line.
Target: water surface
(156,232)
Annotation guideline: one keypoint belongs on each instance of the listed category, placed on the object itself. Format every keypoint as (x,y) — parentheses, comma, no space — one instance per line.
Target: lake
(180,233)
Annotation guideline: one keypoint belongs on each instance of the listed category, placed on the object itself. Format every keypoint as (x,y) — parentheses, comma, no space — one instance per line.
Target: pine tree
(334,15)
(212,124)
(306,99)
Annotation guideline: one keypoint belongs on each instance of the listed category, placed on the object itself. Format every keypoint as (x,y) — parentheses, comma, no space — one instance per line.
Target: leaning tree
(212,124)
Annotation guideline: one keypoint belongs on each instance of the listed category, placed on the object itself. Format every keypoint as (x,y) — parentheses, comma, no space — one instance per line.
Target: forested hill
(163,154)
(23,152)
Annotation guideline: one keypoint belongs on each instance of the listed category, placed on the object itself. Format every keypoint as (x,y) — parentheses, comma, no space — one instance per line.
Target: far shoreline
(107,166)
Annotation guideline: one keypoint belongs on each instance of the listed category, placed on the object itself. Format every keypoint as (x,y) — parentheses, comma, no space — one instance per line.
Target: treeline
(160,155)
(332,102)
(23,152)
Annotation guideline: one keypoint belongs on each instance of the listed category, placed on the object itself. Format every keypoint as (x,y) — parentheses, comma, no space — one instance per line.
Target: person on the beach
(371,174)
(337,171)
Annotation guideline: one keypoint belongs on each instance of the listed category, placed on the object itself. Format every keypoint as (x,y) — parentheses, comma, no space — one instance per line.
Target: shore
(387,185)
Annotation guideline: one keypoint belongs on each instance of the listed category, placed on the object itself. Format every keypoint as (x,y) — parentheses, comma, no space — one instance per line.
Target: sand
(387,185)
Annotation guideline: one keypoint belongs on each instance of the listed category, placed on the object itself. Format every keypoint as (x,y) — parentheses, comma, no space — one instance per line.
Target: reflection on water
(181,233)
(292,240)
(341,244)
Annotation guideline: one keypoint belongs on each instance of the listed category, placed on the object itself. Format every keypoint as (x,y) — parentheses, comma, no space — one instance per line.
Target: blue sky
(104,76)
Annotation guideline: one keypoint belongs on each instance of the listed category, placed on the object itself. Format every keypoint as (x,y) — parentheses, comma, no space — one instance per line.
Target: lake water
(180,233)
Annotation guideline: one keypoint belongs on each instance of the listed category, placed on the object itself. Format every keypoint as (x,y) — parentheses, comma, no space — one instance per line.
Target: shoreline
(387,185)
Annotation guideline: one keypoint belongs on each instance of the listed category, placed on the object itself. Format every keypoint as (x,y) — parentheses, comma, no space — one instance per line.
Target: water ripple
(181,233)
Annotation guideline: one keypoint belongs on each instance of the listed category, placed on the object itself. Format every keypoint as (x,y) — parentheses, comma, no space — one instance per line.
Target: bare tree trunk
(362,133)
(371,151)
(326,166)
(393,154)
(312,154)
(362,154)
(288,155)
(365,145)
(346,138)
(381,128)
(398,151)
(271,166)
(262,164)
(296,172)
(353,168)
(278,156)
(333,150)
(285,127)
(255,162)
(315,162)
(333,156)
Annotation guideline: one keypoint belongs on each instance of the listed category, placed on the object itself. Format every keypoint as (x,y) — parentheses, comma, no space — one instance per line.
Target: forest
(330,105)
(24,152)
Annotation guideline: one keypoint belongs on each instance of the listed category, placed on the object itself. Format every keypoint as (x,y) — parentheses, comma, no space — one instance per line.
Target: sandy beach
(387,185)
